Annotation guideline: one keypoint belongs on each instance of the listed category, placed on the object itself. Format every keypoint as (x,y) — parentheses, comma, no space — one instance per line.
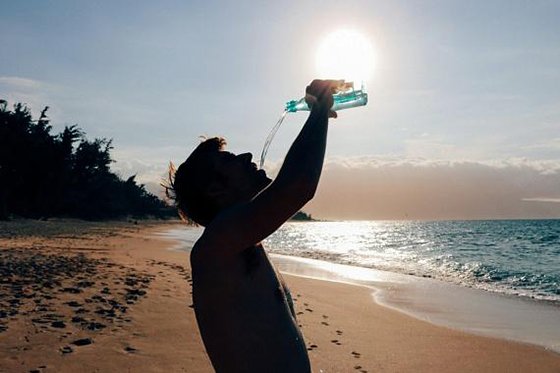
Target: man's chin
(264,180)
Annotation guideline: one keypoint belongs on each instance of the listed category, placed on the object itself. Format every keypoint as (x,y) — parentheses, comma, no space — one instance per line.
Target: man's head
(211,180)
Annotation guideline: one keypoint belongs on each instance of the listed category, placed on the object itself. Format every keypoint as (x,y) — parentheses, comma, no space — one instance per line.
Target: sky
(462,123)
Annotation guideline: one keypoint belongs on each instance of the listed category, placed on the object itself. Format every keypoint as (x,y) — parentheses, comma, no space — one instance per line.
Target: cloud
(34,93)
(545,167)
(550,144)
(149,164)
(401,188)
(15,82)
(541,199)
(370,187)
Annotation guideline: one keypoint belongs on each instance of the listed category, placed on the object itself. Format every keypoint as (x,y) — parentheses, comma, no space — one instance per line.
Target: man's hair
(188,184)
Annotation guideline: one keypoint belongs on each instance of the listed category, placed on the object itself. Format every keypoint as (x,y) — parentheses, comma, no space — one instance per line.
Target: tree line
(46,175)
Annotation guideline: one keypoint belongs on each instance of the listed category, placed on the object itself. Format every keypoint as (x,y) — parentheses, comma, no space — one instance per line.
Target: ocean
(494,277)
(517,257)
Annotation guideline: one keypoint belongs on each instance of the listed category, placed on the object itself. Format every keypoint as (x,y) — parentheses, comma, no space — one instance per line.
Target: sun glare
(345,54)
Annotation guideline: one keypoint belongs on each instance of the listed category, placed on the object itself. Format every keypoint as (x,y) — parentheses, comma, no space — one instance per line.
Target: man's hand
(318,94)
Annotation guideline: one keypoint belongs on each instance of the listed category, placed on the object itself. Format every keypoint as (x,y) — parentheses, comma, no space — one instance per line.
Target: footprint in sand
(66,350)
(58,324)
(312,347)
(83,342)
(357,355)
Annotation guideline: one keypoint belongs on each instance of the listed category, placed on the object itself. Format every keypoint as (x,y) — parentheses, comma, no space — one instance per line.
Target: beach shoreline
(472,310)
(344,329)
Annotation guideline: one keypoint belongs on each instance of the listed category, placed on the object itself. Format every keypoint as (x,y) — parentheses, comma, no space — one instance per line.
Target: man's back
(244,314)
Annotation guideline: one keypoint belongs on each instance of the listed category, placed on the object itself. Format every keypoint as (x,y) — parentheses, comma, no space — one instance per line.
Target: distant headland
(302,216)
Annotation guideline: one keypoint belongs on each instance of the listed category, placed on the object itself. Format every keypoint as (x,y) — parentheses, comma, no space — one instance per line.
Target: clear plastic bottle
(346,99)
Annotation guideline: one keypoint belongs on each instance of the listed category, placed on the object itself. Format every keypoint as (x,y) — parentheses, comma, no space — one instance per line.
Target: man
(243,309)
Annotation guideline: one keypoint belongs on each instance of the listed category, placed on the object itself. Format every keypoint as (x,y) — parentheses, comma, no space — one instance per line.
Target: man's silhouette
(243,309)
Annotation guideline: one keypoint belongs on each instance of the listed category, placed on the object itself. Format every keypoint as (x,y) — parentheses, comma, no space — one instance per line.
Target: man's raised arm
(247,224)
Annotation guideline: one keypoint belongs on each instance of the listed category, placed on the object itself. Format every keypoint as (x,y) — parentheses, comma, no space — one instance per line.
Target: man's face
(239,176)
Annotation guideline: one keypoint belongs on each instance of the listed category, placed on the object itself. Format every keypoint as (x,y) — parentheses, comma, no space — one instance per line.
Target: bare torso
(244,313)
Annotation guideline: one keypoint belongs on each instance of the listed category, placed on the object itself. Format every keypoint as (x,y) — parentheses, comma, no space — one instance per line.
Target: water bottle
(345,99)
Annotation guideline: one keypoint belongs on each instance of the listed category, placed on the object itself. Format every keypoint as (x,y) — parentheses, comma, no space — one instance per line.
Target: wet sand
(111,297)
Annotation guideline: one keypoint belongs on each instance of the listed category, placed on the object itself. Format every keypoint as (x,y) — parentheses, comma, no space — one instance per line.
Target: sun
(345,54)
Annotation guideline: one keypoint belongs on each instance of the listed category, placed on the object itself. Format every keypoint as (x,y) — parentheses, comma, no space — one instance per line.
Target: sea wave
(516,257)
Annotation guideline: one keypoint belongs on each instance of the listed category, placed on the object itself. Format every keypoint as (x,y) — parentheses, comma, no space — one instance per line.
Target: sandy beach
(112,297)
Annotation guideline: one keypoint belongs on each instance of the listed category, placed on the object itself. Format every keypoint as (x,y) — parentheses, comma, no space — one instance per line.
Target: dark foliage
(302,216)
(44,175)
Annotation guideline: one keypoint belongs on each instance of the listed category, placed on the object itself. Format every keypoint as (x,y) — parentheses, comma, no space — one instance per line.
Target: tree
(44,175)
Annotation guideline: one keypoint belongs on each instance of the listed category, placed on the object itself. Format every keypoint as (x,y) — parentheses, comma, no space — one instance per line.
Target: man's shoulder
(208,243)
(200,245)
(208,239)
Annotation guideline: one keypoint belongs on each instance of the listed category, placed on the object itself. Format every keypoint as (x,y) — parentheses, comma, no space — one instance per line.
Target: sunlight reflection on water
(513,257)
